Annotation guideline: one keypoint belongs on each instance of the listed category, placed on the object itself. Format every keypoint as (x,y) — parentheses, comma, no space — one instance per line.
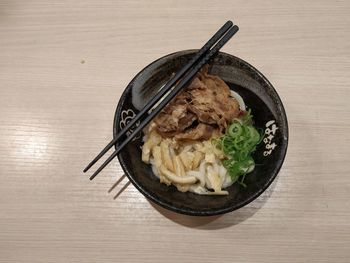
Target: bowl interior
(259,96)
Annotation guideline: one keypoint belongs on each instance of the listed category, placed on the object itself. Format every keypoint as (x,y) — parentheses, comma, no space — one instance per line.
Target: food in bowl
(203,140)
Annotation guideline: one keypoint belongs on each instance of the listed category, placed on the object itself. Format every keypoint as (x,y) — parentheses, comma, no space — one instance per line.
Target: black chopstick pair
(184,76)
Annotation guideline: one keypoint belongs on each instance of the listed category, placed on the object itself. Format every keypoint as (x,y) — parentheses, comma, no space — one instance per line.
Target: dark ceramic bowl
(258,94)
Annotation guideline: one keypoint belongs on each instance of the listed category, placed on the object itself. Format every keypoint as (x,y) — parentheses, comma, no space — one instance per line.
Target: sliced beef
(206,102)
(200,132)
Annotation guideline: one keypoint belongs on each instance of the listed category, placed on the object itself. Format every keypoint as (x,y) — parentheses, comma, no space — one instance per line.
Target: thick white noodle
(239,100)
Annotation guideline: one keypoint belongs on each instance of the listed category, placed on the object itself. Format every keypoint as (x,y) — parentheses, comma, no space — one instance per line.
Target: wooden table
(63,67)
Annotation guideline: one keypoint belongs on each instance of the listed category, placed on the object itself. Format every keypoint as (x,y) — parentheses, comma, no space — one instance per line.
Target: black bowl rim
(188,211)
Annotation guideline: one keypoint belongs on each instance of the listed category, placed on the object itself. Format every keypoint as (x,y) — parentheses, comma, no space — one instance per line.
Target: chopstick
(184,81)
(164,90)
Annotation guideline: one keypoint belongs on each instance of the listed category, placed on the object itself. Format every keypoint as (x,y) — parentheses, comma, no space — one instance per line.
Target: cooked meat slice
(214,105)
(196,84)
(201,132)
(186,121)
(203,114)
(168,119)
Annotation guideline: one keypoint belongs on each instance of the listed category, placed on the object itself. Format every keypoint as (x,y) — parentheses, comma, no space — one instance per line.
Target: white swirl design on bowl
(125,118)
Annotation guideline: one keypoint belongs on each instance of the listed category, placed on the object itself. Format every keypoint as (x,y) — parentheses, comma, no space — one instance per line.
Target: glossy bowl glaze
(258,94)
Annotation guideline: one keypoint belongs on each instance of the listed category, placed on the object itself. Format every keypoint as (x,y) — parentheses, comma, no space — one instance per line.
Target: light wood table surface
(63,67)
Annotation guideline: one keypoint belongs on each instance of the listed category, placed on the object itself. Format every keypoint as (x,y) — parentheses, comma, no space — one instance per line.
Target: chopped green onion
(238,144)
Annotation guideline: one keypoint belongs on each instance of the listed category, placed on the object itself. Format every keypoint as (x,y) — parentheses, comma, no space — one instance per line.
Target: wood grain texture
(63,67)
